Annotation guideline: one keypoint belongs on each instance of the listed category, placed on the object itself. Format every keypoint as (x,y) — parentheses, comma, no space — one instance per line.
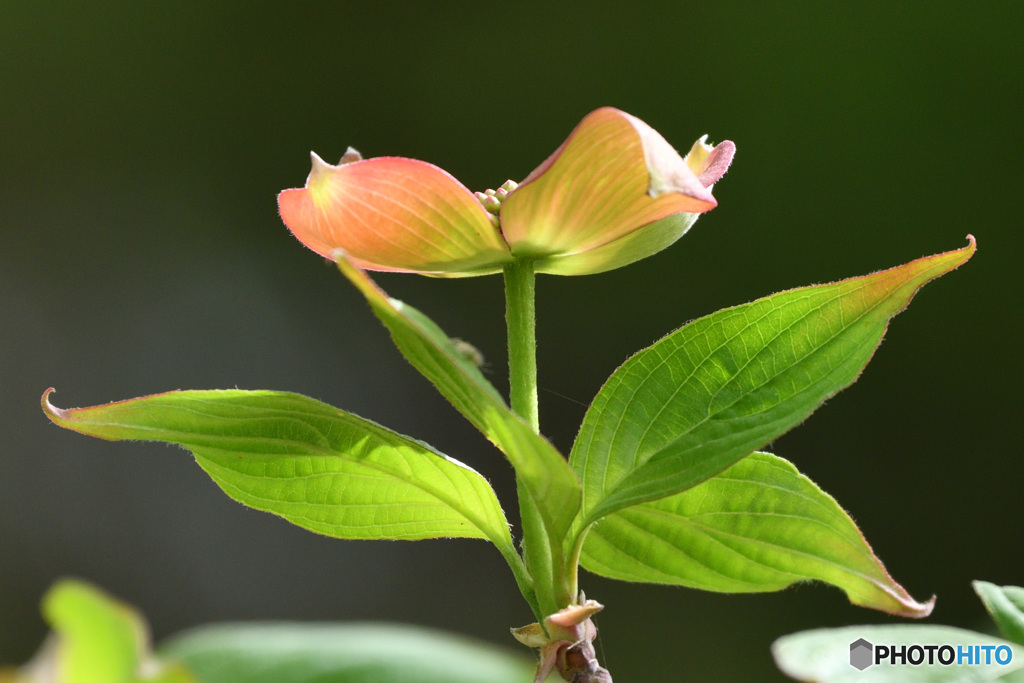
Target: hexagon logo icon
(861,654)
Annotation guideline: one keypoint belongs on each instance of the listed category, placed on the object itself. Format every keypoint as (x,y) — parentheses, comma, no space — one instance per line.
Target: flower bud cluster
(491,199)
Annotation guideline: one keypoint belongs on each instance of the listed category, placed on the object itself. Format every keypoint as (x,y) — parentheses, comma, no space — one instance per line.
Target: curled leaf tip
(912,609)
(968,251)
(901,603)
(52,411)
(964,253)
(928,606)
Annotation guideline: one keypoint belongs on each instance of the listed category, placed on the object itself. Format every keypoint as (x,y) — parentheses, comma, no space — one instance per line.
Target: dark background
(141,149)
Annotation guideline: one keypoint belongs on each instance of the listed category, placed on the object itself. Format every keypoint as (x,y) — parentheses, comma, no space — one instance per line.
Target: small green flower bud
(491,203)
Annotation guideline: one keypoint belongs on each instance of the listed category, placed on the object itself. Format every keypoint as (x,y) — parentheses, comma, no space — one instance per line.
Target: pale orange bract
(391,213)
(613,193)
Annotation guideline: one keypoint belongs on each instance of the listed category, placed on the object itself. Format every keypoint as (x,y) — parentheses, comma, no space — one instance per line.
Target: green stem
(521,319)
(572,567)
(543,555)
(523,579)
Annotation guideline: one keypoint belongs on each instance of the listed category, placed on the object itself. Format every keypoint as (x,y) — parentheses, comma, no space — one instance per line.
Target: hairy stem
(521,319)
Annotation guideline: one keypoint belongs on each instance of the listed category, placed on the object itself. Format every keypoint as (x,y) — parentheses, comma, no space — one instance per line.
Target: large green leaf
(342,653)
(1006,606)
(543,471)
(823,656)
(318,467)
(711,392)
(758,526)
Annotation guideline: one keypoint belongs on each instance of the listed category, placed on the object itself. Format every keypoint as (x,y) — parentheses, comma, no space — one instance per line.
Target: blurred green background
(141,149)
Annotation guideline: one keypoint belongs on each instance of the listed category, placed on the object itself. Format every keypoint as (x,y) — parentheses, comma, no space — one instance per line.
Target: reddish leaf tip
(912,609)
(53,412)
(968,251)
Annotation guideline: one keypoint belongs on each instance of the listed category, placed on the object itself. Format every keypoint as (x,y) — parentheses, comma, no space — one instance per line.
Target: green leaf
(545,473)
(98,640)
(342,653)
(1006,605)
(711,392)
(758,526)
(318,467)
(823,656)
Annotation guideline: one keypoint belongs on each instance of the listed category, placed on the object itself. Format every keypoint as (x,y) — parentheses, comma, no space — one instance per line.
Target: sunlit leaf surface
(318,467)
(758,526)
(711,392)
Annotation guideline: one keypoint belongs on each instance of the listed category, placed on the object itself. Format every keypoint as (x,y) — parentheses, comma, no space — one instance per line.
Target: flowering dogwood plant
(665,483)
